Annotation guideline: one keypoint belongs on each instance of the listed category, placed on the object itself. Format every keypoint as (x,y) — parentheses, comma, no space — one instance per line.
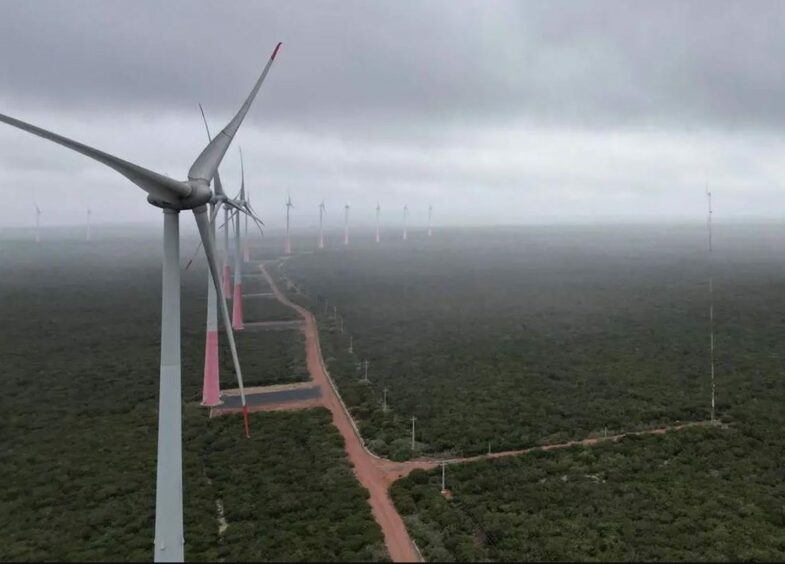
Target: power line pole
(351,344)
(711,304)
(413,420)
(365,377)
(384,400)
(444,465)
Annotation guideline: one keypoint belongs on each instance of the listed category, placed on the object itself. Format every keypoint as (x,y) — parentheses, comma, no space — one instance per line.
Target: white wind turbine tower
(378,212)
(89,214)
(227,270)
(322,209)
(237,299)
(37,220)
(173,196)
(288,243)
(246,203)
(246,247)
(346,224)
(430,213)
(405,217)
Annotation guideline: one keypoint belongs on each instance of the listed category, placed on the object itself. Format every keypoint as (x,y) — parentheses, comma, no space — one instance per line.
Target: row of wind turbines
(346,208)
(202,194)
(38,212)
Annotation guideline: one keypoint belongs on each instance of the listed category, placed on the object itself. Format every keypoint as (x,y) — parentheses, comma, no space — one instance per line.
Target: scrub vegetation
(80,349)
(522,337)
(513,338)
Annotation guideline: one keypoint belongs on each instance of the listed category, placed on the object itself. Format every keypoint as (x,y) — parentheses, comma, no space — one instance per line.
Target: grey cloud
(493,111)
(600,63)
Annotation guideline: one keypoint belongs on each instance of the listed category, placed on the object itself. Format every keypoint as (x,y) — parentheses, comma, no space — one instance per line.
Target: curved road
(396,537)
(376,473)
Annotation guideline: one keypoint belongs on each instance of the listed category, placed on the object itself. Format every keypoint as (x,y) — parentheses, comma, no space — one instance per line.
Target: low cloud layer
(494,112)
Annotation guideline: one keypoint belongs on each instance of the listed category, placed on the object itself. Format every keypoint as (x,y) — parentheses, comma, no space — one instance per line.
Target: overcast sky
(494,112)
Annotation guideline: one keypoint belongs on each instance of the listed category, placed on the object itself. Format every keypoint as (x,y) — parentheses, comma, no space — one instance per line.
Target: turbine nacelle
(199,194)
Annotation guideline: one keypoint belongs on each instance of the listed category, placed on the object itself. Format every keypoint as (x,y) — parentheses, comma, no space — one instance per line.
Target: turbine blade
(157,185)
(242,176)
(255,214)
(249,213)
(218,187)
(207,162)
(200,214)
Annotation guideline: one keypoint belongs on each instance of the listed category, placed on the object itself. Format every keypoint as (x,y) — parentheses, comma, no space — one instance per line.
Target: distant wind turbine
(37,220)
(288,242)
(322,209)
(237,300)
(378,212)
(405,217)
(172,197)
(346,224)
(89,214)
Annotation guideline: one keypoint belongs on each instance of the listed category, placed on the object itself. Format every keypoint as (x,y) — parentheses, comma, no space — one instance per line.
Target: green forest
(80,345)
(700,494)
(510,338)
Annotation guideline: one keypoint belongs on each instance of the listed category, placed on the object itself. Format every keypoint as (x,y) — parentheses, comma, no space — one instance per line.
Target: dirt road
(396,537)
(376,473)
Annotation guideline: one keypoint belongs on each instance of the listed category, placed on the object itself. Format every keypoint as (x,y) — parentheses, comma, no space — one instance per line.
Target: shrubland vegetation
(693,495)
(267,357)
(518,337)
(80,349)
(267,309)
(522,337)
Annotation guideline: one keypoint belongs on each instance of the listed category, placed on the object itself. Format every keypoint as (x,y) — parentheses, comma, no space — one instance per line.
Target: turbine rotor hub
(199,196)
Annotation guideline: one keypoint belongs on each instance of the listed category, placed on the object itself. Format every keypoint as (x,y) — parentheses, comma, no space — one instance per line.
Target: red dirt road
(376,474)
(396,537)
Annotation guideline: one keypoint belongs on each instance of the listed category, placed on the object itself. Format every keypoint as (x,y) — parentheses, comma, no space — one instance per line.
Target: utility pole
(335,312)
(413,420)
(340,324)
(365,365)
(351,344)
(384,400)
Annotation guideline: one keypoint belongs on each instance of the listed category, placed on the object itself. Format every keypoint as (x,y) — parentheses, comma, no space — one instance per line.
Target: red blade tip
(276,51)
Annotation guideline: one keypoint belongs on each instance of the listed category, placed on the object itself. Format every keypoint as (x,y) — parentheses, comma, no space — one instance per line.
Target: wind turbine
(430,213)
(89,214)
(37,220)
(346,224)
(322,209)
(211,389)
(237,300)
(288,243)
(227,271)
(378,211)
(405,216)
(173,196)
(246,200)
